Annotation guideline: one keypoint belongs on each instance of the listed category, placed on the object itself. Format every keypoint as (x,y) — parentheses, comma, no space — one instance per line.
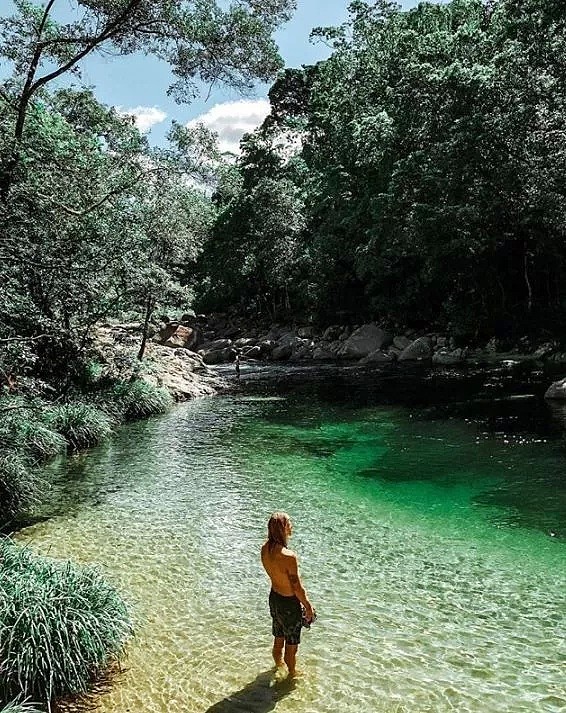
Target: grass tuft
(20,486)
(15,707)
(138,399)
(61,625)
(82,425)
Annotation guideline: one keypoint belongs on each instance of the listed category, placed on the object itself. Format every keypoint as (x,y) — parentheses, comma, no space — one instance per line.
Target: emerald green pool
(431,545)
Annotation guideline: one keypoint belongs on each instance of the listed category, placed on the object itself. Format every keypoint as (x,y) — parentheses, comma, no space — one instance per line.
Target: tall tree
(204,41)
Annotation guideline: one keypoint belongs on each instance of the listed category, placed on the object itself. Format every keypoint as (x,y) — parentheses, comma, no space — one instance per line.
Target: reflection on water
(426,544)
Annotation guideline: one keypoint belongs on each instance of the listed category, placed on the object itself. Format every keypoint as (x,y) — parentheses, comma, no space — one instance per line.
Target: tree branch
(106,34)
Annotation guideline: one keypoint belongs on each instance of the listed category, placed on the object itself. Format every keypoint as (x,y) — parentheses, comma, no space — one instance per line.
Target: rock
(305,332)
(176,335)
(216,344)
(280,353)
(331,333)
(217,356)
(557,390)
(230,331)
(441,342)
(363,341)
(322,354)
(188,316)
(288,338)
(274,333)
(421,348)
(344,334)
(377,357)
(267,346)
(443,357)
(401,342)
(243,342)
(544,351)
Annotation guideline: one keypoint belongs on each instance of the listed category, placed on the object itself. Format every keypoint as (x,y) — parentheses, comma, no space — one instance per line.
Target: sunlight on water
(430,597)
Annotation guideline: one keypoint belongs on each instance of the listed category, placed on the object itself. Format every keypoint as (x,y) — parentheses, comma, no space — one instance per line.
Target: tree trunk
(149,305)
(527,279)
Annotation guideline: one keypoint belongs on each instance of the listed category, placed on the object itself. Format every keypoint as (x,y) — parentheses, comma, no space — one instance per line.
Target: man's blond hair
(277,530)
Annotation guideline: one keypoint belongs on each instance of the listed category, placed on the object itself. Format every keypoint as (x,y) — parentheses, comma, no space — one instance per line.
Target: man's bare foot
(296,673)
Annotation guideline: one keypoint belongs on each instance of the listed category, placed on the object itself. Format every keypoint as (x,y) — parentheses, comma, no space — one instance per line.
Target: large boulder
(280,353)
(216,344)
(176,335)
(305,332)
(444,357)
(332,332)
(267,346)
(322,354)
(363,341)
(217,356)
(556,390)
(420,348)
(401,342)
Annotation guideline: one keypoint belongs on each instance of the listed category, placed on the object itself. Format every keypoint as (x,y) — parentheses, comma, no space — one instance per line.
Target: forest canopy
(416,176)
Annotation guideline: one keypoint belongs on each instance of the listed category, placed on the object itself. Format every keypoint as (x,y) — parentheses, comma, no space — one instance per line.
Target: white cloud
(145,116)
(231,120)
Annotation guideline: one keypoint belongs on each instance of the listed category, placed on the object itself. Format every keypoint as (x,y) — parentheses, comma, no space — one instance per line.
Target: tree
(199,40)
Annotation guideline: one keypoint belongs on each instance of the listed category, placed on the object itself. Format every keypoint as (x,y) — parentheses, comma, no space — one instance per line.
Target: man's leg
(278,643)
(290,657)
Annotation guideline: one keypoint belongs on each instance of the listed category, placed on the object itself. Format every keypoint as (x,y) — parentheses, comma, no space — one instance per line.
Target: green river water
(431,541)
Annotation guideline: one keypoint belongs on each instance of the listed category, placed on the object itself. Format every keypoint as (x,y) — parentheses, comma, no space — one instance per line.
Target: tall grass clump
(61,626)
(21,486)
(22,428)
(138,399)
(81,425)
(25,441)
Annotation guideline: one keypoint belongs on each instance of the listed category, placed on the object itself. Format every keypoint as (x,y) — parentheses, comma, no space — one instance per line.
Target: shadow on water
(259,696)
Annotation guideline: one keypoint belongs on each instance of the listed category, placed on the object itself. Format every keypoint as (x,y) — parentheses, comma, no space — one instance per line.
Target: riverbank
(40,594)
(220,338)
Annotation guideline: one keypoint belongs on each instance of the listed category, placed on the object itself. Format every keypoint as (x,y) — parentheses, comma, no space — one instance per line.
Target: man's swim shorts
(287,617)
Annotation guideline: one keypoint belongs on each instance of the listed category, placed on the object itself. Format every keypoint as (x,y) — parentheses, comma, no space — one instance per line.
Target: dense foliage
(416,176)
(93,221)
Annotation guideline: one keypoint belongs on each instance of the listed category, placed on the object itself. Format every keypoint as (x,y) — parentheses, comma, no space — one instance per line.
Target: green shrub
(82,425)
(138,399)
(61,625)
(20,486)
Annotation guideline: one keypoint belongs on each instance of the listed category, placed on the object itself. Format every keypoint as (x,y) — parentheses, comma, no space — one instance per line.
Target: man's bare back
(281,568)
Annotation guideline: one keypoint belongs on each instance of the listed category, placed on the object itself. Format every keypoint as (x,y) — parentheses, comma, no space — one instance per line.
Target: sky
(138,85)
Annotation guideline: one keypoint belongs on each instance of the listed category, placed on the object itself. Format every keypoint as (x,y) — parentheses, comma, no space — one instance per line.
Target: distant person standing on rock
(289,604)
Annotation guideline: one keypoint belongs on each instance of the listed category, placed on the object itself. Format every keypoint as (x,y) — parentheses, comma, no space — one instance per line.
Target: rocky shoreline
(181,352)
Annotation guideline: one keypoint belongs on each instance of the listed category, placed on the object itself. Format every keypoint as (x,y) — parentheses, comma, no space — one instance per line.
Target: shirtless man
(287,591)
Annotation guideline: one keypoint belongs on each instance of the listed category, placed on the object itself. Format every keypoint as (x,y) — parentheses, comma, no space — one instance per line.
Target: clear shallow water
(431,547)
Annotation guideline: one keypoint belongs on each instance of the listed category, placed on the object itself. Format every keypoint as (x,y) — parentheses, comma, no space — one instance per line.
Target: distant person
(289,604)
(237,365)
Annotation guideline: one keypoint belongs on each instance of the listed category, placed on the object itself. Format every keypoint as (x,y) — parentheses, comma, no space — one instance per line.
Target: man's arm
(297,585)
